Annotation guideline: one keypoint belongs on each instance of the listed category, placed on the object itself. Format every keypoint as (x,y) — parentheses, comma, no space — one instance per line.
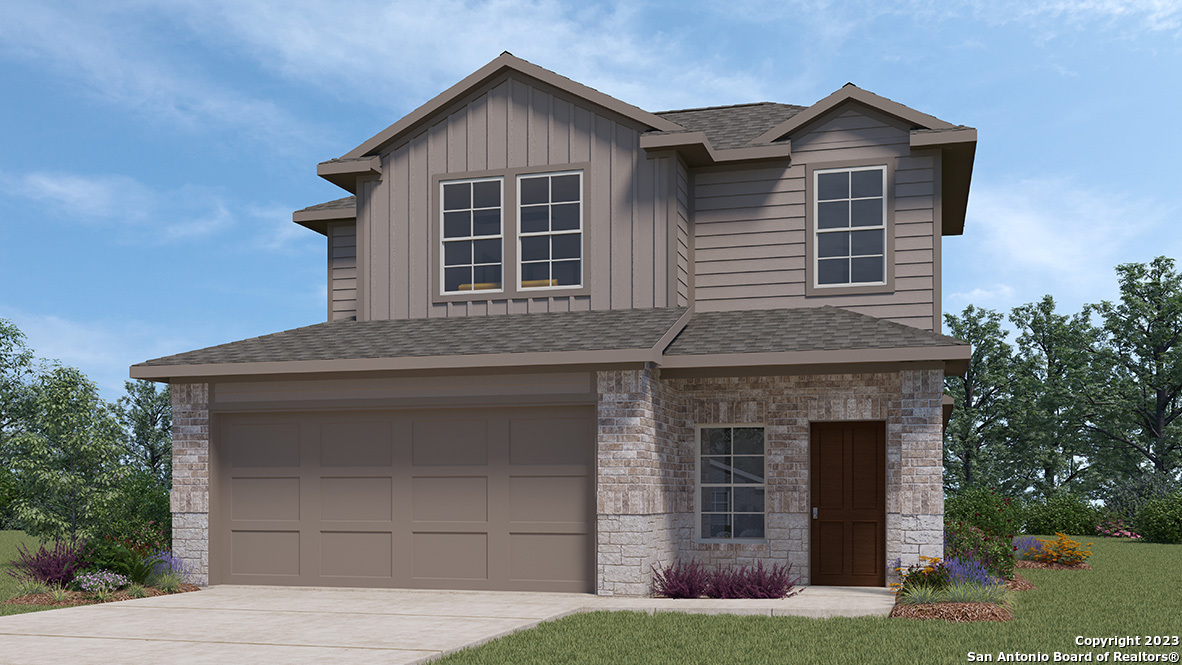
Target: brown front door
(848,467)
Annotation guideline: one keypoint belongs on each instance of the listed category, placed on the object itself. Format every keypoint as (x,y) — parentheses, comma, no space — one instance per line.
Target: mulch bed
(1019,583)
(84,598)
(953,612)
(1050,566)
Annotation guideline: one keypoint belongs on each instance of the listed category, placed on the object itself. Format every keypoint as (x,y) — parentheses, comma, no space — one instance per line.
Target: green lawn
(8,543)
(1135,589)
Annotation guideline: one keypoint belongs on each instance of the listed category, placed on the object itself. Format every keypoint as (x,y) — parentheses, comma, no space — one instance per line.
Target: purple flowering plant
(100,581)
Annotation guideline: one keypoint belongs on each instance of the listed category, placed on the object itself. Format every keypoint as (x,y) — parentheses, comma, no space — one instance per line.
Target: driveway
(241,624)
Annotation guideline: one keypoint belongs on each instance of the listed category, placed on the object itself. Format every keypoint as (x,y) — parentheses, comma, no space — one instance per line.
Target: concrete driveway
(239,624)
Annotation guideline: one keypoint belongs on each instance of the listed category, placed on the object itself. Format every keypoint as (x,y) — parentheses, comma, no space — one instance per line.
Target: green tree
(66,466)
(974,441)
(146,416)
(1049,449)
(17,372)
(1134,397)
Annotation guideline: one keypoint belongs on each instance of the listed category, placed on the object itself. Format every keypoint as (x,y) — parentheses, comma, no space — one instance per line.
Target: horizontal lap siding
(511,124)
(749,226)
(342,270)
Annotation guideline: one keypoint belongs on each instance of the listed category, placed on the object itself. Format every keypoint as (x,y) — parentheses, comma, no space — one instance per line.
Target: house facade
(569,340)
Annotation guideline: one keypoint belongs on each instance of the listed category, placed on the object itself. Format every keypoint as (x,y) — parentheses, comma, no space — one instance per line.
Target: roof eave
(318,220)
(846,94)
(696,149)
(959,149)
(344,172)
(953,358)
(507,61)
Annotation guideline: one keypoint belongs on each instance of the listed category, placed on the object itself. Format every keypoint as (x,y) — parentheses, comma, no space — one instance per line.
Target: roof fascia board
(850,93)
(501,62)
(831,357)
(696,149)
(502,360)
(940,139)
(344,174)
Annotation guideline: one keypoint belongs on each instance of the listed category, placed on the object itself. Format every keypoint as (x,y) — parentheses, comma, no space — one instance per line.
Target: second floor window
(850,216)
(473,235)
(550,227)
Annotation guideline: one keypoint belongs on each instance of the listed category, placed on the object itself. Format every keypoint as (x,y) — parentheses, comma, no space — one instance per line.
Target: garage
(456,498)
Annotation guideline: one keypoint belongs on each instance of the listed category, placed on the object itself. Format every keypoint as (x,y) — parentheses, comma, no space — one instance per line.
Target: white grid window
(472,235)
(550,230)
(731,483)
(850,215)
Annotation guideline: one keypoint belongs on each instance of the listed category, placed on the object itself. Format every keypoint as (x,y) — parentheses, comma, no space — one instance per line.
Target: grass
(9,587)
(1133,590)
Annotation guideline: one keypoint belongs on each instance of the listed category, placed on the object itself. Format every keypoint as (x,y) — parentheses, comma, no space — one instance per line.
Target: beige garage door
(442,499)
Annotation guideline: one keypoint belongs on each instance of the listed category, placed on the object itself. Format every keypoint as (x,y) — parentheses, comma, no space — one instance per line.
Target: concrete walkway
(238,624)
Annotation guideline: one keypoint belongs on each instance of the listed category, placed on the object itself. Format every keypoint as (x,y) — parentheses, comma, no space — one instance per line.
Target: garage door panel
(356,444)
(265,445)
(555,557)
(357,554)
(356,499)
(271,553)
(265,498)
(556,441)
(449,499)
(548,498)
(449,442)
(450,556)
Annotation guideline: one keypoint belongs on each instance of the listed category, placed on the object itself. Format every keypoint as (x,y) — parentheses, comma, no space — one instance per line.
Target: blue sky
(151,152)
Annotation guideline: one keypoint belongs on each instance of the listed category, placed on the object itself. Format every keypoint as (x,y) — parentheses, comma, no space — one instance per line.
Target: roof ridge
(726,106)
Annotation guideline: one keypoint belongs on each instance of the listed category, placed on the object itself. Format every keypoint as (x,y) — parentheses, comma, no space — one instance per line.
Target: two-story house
(569,340)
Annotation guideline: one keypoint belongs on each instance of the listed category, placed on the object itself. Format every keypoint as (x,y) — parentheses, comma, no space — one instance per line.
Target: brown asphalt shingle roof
(732,126)
(347,203)
(475,335)
(801,329)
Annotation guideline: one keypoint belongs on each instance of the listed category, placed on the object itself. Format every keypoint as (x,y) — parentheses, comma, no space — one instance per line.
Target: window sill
(811,291)
(512,294)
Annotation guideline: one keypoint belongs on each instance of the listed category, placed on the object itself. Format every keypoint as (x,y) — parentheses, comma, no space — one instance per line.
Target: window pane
(535,219)
(566,246)
(487,277)
(867,269)
(457,224)
(454,277)
(748,470)
(486,251)
(866,242)
(833,215)
(833,186)
(833,244)
(535,248)
(564,188)
(748,440)
(564,217)
(866,183)
(833,271)
(566,273)
(867,212)
(716,526)
(748,526)
(486,222)
(535,190)
(716,441)
(716,470)
(747,500)
(457,253)
(535,272)
(716,499)
(457,196)
(486,194)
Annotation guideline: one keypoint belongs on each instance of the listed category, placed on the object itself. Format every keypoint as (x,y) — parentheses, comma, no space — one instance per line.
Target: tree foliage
(145,413)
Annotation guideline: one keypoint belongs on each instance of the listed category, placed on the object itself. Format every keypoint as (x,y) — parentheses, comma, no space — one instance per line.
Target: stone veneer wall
(190,478)
(646,458)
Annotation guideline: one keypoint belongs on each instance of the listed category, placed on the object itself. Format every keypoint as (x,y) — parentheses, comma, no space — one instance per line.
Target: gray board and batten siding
(749,224)
(509,124)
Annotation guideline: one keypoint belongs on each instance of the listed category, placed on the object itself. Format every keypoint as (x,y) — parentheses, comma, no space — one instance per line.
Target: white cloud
(981,297)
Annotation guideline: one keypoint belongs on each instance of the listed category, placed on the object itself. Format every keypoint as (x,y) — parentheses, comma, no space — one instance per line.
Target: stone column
(915,513)
(190,478)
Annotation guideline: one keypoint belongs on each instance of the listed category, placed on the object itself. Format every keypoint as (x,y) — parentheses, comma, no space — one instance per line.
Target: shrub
(55,567)
(30,587)
(1125,498)
(1160,519)
(1063,550)
(753,582)
(985,509)
(967,570)
(970,592)
(680,580)
(929,572)
(167,562)
(919,595)
(1115,527)
(59,594)
(138,515)
(136,591)
(969,542)
(108,554)
(100,581)
(168,582)
(1026,547)
(1062,512)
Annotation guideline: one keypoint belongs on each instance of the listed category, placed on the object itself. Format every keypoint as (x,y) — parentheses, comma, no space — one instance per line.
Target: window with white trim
(731,483)
(472,235)
(550,230)
(850,225)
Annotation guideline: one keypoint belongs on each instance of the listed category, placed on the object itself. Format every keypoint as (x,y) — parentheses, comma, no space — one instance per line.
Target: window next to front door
(730,483)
